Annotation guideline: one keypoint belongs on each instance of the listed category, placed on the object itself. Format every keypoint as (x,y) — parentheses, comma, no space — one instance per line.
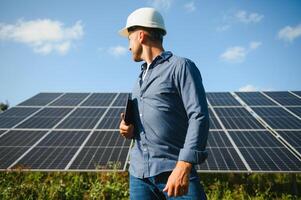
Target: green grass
(114,185)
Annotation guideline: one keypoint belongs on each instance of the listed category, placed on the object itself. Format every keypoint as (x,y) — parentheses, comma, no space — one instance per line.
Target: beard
(137,54)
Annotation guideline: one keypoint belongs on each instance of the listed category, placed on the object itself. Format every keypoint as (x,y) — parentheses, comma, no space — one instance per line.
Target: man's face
(135,46)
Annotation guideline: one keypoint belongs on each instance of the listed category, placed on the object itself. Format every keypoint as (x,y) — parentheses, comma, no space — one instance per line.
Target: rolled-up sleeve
(193,95)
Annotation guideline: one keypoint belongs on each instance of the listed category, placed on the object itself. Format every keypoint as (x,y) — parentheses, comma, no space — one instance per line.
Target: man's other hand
(126,130)
(178,181)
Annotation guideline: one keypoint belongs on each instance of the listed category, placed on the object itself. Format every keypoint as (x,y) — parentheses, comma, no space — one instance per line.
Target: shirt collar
(159,59)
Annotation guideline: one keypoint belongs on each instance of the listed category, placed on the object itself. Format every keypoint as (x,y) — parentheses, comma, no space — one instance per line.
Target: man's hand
(126,130)
(178,181)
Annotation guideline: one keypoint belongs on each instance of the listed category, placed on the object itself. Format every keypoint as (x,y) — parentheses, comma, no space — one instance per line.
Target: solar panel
(255,99)
(221,99)
(293,137)
(14,143)
(237,118)
(13,116)
(278,118)
(82,118)
(297,93)
(103,150)
(40,99)
(121,99)
(222,155)
(214,124)
(263,152)
(112,119)
(101,158)
(70,99)
(2,131)
(49,158)
(99,99)
(46,118)
(296,110)
(80,132)
(54,152)
(284,98)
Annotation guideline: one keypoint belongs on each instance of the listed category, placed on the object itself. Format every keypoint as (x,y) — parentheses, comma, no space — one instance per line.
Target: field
(114,185)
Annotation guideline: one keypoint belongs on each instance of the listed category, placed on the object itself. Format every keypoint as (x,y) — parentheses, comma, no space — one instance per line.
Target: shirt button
(140,115)
(144,149)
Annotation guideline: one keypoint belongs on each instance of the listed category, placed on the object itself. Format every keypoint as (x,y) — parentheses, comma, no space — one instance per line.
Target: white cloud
(245,17)
(234,54)
(241,16)
(252,88)
(248,88)
(117,51)
(190,7)
(289,33)
(161,4)
(255,45)
(237,54)
(223,27)
(43,35)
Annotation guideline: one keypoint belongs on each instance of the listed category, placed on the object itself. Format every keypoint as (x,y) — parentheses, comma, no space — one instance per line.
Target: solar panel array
(249,132)
(64,131)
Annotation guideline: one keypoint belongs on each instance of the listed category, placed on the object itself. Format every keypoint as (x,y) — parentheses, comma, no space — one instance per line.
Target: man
(171,119)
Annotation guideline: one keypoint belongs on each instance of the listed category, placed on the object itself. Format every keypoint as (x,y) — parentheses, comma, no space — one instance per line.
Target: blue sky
(73,46)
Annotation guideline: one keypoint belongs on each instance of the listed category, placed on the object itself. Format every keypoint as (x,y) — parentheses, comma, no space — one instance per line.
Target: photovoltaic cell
(251,139)
(218,139)
(237,118)
(47,158)
(271,159)
(9,154)
(297,93)
(13,116)
(107,138)
(46,118)
(292,137)
(221,154)
(121,99)
(263,152)
(55,151)
(255,99)
(14,143)
(278,118)
(222,99)
(284,98)
(70,99)
(103,150)
(100,99)
(2,131)
(64,139)
(214,124)
(94,158)
(112,119)
(295,110)
(21,138)
(40,99)
(82,118)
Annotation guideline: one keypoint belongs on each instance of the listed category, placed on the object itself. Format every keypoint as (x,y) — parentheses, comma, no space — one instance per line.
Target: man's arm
(190,87)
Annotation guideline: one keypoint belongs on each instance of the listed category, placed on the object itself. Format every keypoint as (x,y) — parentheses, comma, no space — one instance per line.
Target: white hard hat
(146,17)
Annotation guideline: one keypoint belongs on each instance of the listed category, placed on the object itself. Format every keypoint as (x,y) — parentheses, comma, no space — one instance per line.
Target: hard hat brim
(124,32)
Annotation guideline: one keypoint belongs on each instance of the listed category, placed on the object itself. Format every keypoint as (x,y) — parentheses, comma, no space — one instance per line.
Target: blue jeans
(151,188)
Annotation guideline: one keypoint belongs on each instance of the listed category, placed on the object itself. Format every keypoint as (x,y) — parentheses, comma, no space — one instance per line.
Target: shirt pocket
(165,95)
(166,88)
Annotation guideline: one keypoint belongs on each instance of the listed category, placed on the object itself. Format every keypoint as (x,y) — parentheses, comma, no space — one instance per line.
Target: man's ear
(141,37)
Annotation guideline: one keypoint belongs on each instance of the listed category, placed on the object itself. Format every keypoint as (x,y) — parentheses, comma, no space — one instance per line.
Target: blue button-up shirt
(171,117)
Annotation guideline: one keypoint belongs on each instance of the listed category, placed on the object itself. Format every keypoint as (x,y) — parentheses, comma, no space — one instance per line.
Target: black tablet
(128,114)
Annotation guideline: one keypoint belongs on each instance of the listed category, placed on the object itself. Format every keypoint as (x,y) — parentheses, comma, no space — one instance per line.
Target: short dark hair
(154,34)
